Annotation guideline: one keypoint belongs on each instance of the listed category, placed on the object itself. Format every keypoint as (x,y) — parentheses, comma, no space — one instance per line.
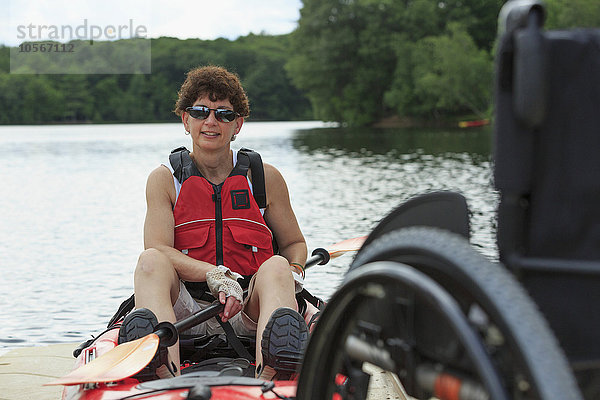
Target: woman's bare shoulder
(161,180)
(272,173)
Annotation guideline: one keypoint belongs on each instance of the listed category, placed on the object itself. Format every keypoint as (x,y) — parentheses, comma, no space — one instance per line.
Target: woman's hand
(223,284)
(232,306)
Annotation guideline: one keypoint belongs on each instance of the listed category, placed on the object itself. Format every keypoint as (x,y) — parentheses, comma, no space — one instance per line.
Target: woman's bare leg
(273,288)
(156,286)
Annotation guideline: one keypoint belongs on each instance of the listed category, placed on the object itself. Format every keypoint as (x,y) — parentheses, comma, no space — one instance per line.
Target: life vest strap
(258,176)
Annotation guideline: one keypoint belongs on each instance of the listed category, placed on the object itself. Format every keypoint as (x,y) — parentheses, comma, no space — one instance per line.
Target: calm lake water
(72,206)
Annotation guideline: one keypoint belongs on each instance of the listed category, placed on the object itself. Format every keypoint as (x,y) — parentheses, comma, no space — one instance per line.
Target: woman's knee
(276,267)
(155,276)
(153,262)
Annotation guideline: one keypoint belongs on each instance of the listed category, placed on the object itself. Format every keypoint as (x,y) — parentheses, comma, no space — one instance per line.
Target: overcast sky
(23,20)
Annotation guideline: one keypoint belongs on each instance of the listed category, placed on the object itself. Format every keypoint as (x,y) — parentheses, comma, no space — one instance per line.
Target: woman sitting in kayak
(205,230)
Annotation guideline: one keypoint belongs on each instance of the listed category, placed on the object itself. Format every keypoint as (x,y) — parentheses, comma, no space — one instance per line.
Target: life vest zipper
(218,223)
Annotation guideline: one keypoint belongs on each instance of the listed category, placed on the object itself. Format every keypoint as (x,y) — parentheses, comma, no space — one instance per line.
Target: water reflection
(401,143)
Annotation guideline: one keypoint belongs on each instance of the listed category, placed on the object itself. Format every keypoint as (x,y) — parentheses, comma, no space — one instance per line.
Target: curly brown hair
(215,82)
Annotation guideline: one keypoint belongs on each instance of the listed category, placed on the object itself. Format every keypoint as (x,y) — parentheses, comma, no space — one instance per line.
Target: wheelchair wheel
(422,304)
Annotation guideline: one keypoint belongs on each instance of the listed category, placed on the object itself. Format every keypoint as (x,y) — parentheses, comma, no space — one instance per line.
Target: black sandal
(284,341)
(138,324)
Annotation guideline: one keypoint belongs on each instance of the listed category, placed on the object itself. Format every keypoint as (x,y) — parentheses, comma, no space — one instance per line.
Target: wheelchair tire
(528,359)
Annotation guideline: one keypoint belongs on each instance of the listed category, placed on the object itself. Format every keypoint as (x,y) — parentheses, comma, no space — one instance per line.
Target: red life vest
(221,224)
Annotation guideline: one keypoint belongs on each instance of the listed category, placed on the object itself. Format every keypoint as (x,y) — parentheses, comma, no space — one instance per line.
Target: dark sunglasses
(221,114)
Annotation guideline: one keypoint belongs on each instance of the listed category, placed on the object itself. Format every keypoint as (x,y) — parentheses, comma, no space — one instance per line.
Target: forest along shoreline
(391,64)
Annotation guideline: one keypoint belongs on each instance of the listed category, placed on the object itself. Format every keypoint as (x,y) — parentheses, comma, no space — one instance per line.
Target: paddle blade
(347,245)
(121,362)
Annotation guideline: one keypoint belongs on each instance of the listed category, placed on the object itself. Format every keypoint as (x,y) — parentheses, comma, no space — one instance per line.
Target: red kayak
(223,379)
(473,124)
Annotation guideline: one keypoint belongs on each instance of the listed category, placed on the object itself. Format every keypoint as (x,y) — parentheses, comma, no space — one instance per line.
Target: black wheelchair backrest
(547,170)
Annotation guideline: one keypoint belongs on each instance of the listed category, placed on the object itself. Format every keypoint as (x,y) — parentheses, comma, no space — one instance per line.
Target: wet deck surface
(24,371)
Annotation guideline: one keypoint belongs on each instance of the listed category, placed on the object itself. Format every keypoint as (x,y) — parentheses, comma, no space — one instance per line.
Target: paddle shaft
(211,311)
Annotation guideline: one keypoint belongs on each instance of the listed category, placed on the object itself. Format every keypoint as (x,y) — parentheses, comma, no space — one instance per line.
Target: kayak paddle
(114,364)
(129,358)
(345,246)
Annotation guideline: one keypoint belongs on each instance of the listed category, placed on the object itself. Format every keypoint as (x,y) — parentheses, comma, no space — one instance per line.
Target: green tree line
(423,59)
(77,97)
(352,61)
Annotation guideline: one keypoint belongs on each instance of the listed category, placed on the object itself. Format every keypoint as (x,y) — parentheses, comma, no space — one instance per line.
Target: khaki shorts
(186,305)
